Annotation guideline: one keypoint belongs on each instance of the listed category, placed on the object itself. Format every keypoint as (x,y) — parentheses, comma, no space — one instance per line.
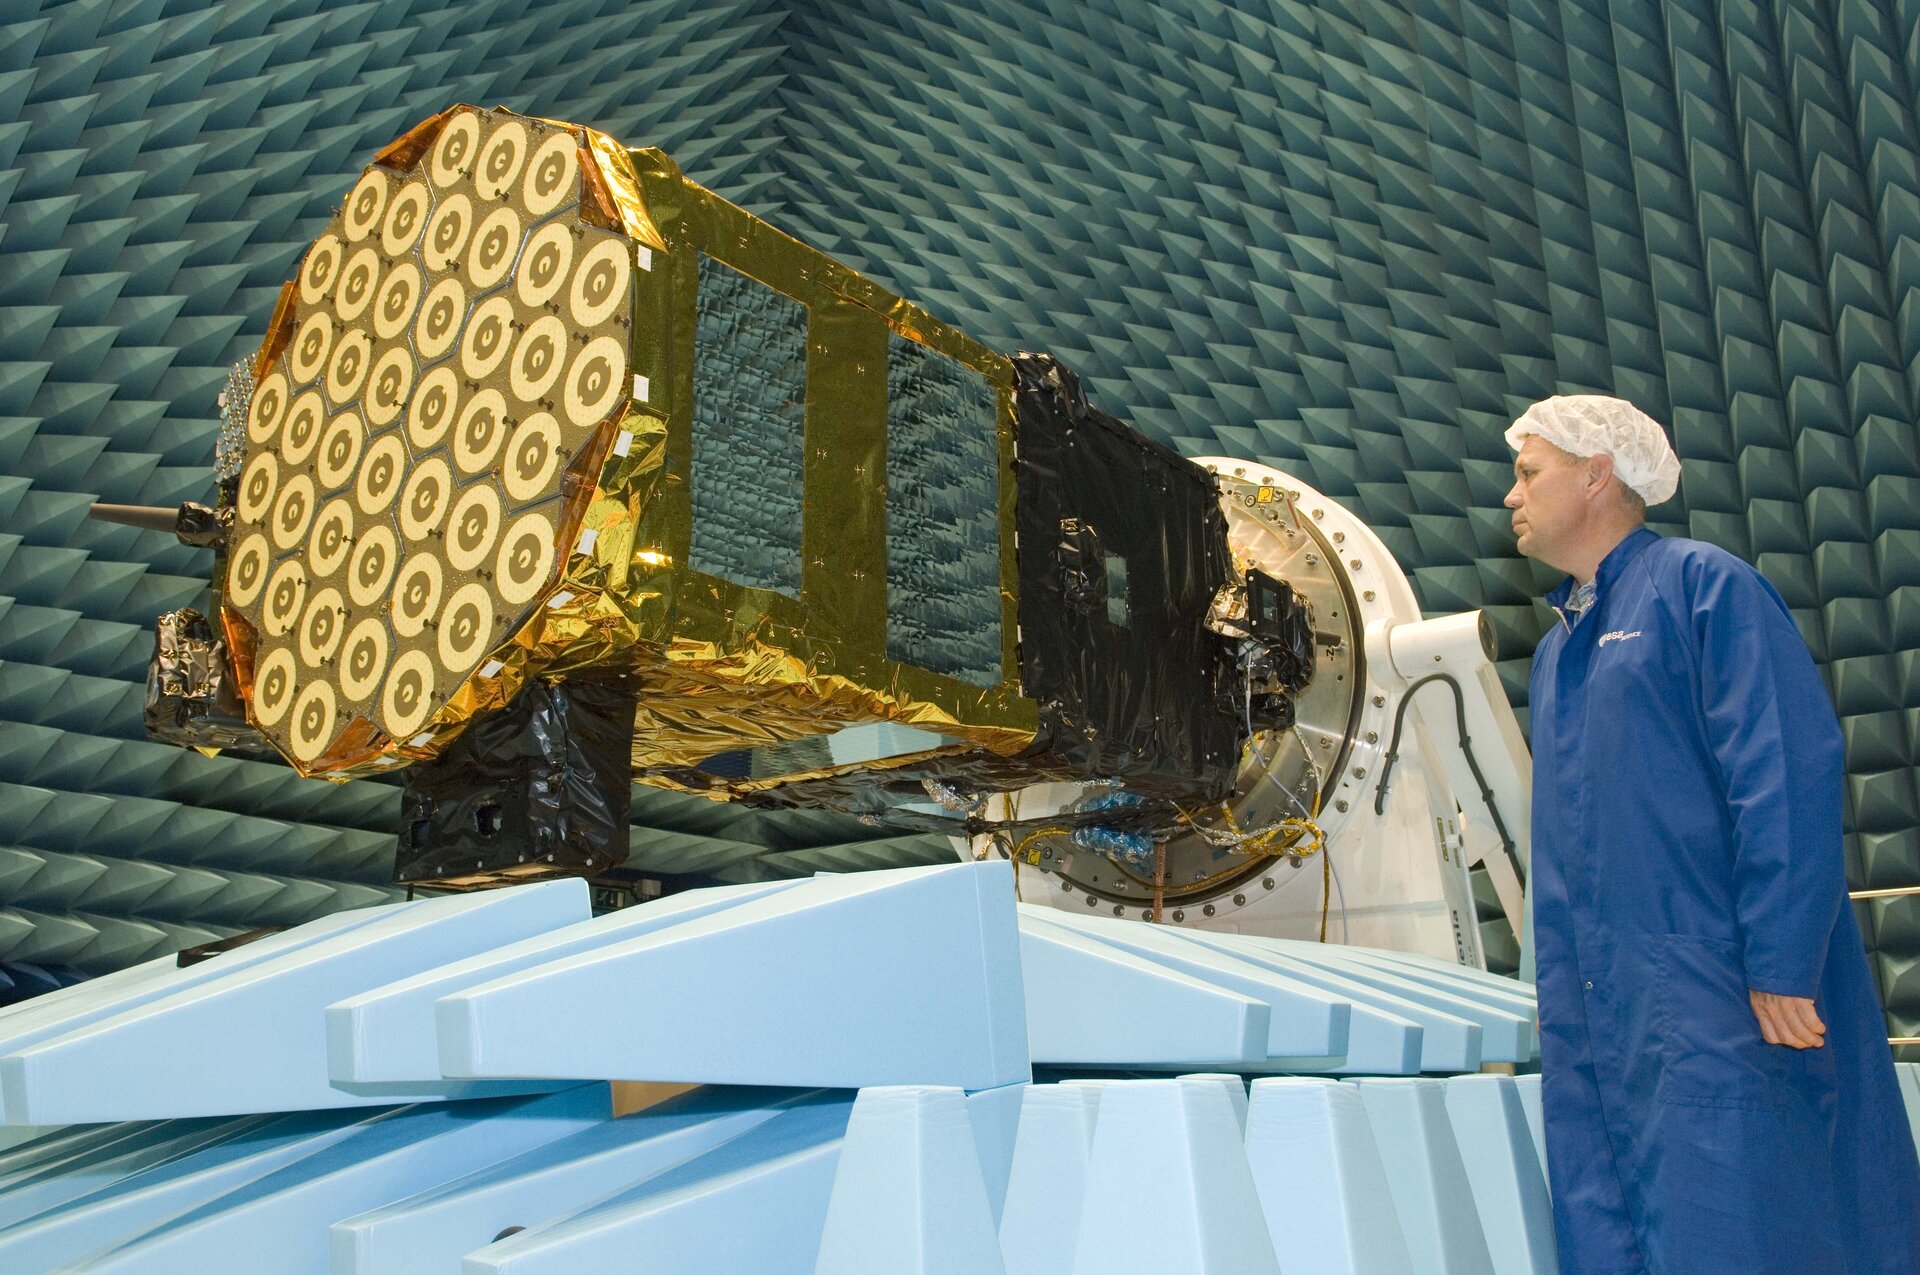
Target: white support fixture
(1433,660)
(1400,861)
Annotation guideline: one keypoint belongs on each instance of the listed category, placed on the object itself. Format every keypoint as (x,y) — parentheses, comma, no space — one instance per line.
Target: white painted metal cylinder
(1454,644)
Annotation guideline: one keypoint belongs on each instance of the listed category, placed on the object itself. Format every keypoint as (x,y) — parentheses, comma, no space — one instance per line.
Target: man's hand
(1788,1020)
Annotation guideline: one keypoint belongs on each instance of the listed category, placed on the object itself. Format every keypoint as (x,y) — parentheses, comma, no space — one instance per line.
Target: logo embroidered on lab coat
(1618,635)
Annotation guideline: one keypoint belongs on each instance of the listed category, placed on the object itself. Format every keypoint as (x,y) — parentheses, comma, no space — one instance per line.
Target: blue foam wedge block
(1528,1087)
(251,1036)
(126,991)
(1509,1189)
(1091,1004)
(757,1203)
(1382,1039)
(996,1123)
(114,1213)
(1452,1039)
(1445,1042)
(1426,1176)
(908,1197)
(1508,995)
(1302,1019)
(65,1144)
(62,1176)
(1235,1087)
(434,1229)
(1506,1030)
(39,1155)
(1048,1181)
(1910,1091)
(18,1135)
(280,1222)
(895,977)
(1169,1187)
(1502,990)
(1321,1179)
(387,1035)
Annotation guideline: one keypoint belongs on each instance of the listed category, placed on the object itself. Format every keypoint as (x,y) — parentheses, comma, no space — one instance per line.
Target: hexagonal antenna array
(444,359)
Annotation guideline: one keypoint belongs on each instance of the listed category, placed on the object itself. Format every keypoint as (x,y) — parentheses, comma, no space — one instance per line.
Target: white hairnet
(1596,424)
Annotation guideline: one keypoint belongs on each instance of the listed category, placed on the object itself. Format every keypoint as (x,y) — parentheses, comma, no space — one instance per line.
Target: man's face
(1548,499)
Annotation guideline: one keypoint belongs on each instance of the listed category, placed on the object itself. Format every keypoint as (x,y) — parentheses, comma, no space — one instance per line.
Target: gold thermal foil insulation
(437,377)
(468,457)
(730,666)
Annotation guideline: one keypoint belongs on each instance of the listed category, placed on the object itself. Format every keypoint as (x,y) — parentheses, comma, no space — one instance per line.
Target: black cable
(1466,748)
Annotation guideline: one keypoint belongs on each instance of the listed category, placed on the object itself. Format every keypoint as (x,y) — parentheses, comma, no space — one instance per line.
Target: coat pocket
(1711,1050)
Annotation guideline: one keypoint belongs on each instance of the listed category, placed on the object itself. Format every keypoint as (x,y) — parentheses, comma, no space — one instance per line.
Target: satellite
(556,472)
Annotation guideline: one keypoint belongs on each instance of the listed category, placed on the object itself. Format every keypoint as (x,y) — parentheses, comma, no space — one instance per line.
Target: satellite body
(557,471)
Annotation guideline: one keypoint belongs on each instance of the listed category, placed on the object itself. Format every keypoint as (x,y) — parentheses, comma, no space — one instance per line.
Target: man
(1718,1089)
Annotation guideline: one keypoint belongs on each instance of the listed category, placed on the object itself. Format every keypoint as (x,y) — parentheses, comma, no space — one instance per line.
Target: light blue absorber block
(996,1123)
(1426,1176)
(895,977)
(1385,1034)
(1041,1223)
(1449,1041)
(124,992)
(908,1196)
(1910,1091)
(279,1223)
(1169,1187)
(1091,1004)
(68,1168)
(1505,1021)
(757,1203)
(1528,1088)
(1321,1179)
(32,1156)
(1508,1187)
(249,1034)
(434,1229)
(1302,1020)
(1450,973)
(387,1035)
(88,1152)
(113,1212)
(1511,994)
(19,1135)
(1235,1087)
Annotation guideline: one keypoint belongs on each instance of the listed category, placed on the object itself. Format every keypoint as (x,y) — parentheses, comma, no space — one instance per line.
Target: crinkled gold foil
(624,184)
(279,330)
(405,152)
(747,666)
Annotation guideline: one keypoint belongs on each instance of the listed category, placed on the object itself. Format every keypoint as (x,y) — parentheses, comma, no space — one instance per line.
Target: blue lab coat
(1687,847)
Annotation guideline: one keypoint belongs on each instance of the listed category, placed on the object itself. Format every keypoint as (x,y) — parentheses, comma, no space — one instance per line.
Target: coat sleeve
(1776,744)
